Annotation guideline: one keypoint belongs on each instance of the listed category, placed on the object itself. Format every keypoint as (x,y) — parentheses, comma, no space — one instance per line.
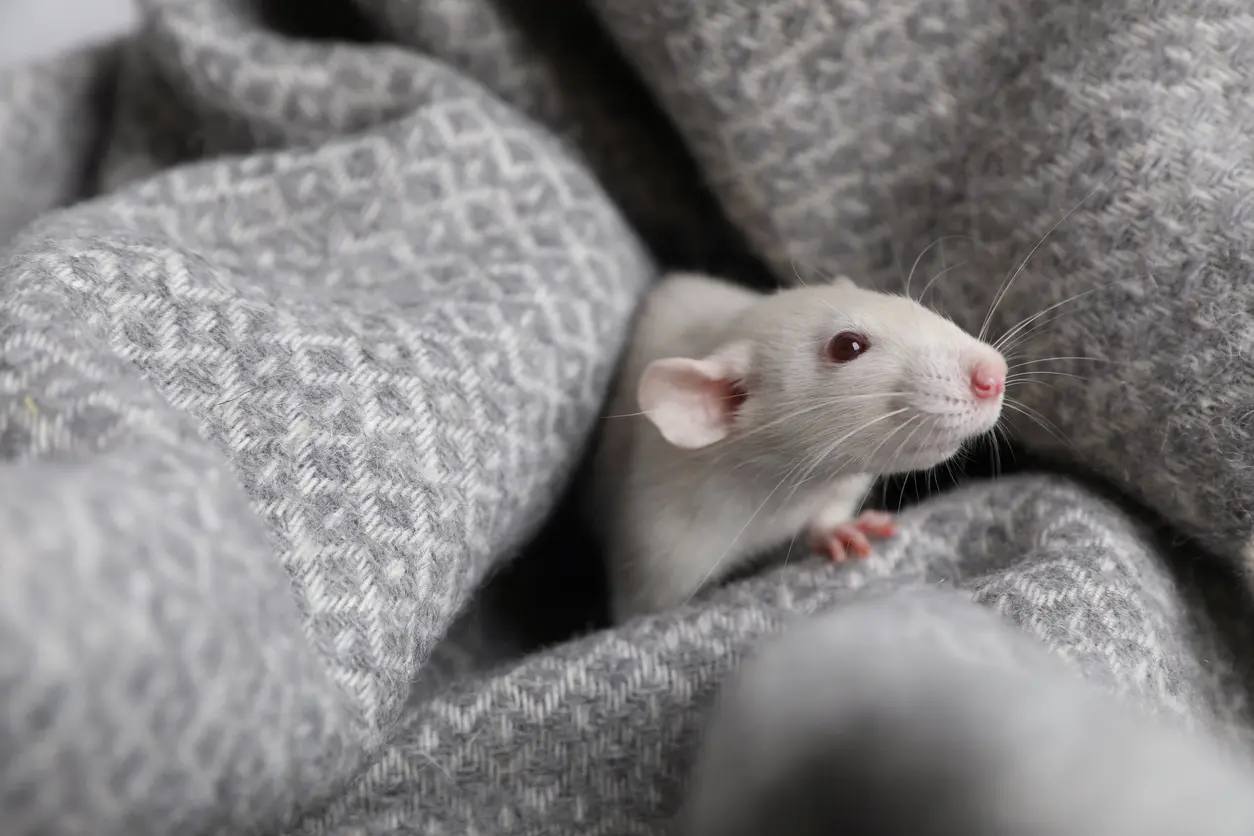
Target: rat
(740,421)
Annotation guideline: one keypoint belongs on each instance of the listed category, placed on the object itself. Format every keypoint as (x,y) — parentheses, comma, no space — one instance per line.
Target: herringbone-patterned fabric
(307,315)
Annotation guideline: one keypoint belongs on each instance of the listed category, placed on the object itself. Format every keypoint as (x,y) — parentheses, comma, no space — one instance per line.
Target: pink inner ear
(692,402)
(733,395)
(723,399)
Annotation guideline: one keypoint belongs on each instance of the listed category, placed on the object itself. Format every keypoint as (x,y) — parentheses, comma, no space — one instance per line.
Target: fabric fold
(308,313)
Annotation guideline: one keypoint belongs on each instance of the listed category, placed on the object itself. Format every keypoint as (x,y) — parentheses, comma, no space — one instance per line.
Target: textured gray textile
(308,310)
(909,714)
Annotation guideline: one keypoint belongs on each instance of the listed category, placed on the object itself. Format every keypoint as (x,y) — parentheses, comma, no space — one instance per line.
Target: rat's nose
(988,380)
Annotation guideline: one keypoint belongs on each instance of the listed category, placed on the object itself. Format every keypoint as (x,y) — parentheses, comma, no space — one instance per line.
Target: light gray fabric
(307,316)
(922,713)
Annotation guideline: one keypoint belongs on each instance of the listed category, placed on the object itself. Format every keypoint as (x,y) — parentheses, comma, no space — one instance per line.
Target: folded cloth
(307,316)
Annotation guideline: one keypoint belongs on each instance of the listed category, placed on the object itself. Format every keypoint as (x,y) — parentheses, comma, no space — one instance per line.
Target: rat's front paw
(853,539)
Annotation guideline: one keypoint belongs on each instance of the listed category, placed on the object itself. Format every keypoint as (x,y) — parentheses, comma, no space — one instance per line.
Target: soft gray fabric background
(920,713)
(34,29)
(308,315)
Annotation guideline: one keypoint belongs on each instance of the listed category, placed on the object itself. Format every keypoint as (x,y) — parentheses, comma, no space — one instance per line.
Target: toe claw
(836,551)
(857,542)
(876,523)
(853,539)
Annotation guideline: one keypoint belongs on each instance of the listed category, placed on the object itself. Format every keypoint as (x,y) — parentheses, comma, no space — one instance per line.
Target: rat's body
(759,419)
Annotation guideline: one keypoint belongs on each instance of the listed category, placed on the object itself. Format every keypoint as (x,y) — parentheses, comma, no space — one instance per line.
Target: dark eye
(846,346)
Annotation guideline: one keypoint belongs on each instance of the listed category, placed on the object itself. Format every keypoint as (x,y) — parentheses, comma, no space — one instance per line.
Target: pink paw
(853,539)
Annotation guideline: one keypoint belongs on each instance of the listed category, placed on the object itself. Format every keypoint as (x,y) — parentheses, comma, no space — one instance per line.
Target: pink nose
(987,380)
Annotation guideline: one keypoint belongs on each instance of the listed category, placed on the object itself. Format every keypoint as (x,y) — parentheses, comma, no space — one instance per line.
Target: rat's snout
(988,379)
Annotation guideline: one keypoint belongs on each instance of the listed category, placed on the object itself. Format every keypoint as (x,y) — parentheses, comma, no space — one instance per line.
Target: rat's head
(843,377)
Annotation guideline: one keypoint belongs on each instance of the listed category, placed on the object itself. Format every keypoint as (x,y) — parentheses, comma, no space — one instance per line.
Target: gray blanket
(308,312)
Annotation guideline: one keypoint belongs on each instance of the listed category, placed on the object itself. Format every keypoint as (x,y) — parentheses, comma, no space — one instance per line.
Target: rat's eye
(846,346)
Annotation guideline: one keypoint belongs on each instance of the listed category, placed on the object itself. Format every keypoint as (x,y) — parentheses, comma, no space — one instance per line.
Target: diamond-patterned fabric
(307,317)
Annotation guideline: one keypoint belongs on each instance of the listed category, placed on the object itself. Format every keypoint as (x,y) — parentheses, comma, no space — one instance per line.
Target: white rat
(741,420)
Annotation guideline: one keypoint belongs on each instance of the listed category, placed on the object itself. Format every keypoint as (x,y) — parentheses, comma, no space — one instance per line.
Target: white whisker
(1028,375)
(932,281)
(924,252)
(780,484)
(1056,359)
(1032,380)
(1043,423)
(1006,285)
(1029,320)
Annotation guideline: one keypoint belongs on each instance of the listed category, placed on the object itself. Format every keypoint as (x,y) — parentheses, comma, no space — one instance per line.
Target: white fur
(680,499)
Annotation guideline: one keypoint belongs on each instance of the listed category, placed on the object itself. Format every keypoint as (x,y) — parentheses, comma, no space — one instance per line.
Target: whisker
(932,281)
(1008,342)
(1005,435)
(924,252)
(726,449)
(739,534)
(1053,359)
(780,484)
(996,452)
(933,472)
(901,495)
(1006,285)
(906,440)
(1022,338)
(831,448)
(792,262)
(888,437)
(1028,375)
(825,404)
(1043,423)
(1007,337)
(803,284)
(1032,380)
(866,460)
(1035,412)
(1029,320)
(808,409)
(791,543)
(817,458)
(927,474)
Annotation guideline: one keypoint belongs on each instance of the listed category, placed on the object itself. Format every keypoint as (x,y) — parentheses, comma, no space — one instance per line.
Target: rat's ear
(844,281)
(693,402)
